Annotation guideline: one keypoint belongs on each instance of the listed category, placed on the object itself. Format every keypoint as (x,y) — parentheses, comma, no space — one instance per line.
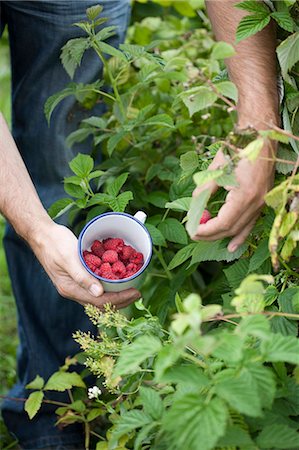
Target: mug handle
(141,216)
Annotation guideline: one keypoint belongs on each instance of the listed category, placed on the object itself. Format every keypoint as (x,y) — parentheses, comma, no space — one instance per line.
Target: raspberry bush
(209,358)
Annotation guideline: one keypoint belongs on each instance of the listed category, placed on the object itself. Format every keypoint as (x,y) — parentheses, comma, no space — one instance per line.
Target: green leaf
(266,384)
(173,231)
(260,255)
(281,348)
(82,165)
(94,413)
(163,120)
(55,99)
(190,422)
(166,358)
(181,204)
(235,436)
(236,273)
(33,403)
(198,98)
(151,402)
(250,25)
(255,325)
(288,53)
(288,300)
(60,381)
(197,207)
(60,207)
(114,187)
(158,198)
(182,255)
(114,140)
(215,251)
(239,389)
(253,149)
(222,50)
(78,136)
(284,20)
(109,50)
(229,348)
(72,52)
(120,203)
(253,6)
(129,421)
(279,437)
(228,89)
(205,176)
(37,383)
(94,11)
(156,235)
(132,355)
(105,33)
(100,199)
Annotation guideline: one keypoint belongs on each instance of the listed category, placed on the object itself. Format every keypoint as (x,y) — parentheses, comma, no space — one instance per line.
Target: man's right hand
(56,248)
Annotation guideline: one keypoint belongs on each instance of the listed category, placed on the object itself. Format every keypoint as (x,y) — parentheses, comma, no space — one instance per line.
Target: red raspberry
(97,248)
(86,252)
(106,272)
(131,267)
(205,217)
(109,276)
(92,261)
(137,258)
(129,274)
(113,244)
(119,269)
(105,267)
(110,256)
(127,252)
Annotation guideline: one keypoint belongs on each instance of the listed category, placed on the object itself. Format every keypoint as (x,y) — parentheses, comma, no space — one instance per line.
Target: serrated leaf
(94,11)
(252,150)
(151,402)
(250,25)
(215,251)
(120,203)
(279,437)
(255,325)
(236,273)
(173,231)
(109,50)
(129,421)
(260,255)
(198,98)
(222,50)
(82,165)
(239,390)
(115,186)
(253,6)
(288,53)
(189,161)
(100,199)
(78,136)
(37,383)
(281,348)
(60,207)
(114,140)
(284,20)
(235,436)
(265,379)
(228,89)
(105,33)
(229,348)
(190,422)
(72,52)
(132,355)
(182,255)
(55,99)
(163,120)
(60,381)
(197,207)
(156,235)
(158,198)
(94,413)
(181,204)
(166,358)
(33,403)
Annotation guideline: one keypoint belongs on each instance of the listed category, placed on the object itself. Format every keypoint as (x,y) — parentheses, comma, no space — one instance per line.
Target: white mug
(119,225)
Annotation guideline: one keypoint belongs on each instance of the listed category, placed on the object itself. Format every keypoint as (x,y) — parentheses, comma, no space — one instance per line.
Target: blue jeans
(46,321)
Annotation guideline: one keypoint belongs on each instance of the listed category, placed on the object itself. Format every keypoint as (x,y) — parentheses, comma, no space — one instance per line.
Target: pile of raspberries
(113,259)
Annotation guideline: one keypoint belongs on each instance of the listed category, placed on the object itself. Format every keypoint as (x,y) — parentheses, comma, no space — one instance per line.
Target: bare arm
(54,245)
(253,70)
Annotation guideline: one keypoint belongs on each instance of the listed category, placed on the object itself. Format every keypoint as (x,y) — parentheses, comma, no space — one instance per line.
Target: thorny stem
(265,313)
(17,399)
(87,435)
(215,90)
(196,361)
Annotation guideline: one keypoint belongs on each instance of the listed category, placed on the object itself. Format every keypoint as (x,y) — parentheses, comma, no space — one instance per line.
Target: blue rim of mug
(125,280)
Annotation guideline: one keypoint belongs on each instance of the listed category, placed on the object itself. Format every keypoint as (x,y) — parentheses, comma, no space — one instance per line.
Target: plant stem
(20,399)
(160,257)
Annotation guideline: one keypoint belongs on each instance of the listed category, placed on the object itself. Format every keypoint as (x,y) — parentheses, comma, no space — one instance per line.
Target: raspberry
(92,261)
(97,248)
(205,217)
(115,244)
(110,256)
(86,252)
(137,258)
(109,276)
(105,267)
(106,272)
(119,269)
(127,252)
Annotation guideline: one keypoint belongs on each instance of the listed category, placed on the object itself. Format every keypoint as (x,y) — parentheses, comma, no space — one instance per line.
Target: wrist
(39,231)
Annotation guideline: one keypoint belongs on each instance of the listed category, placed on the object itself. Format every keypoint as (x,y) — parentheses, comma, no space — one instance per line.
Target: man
(38,30)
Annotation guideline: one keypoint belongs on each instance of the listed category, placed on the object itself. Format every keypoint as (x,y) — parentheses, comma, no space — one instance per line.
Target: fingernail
(232,248)
(95,290)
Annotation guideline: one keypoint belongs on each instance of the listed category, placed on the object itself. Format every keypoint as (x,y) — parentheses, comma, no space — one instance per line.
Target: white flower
(94,392)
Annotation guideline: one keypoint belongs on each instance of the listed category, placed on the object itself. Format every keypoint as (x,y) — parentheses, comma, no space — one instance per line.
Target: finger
(120,298)
(217,162)
(240,238)
(84,279)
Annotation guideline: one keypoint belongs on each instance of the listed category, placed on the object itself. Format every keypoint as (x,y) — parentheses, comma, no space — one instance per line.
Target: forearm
(19,201)
(252,69)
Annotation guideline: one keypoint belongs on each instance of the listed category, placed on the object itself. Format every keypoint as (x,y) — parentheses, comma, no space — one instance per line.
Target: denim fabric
(46,321)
